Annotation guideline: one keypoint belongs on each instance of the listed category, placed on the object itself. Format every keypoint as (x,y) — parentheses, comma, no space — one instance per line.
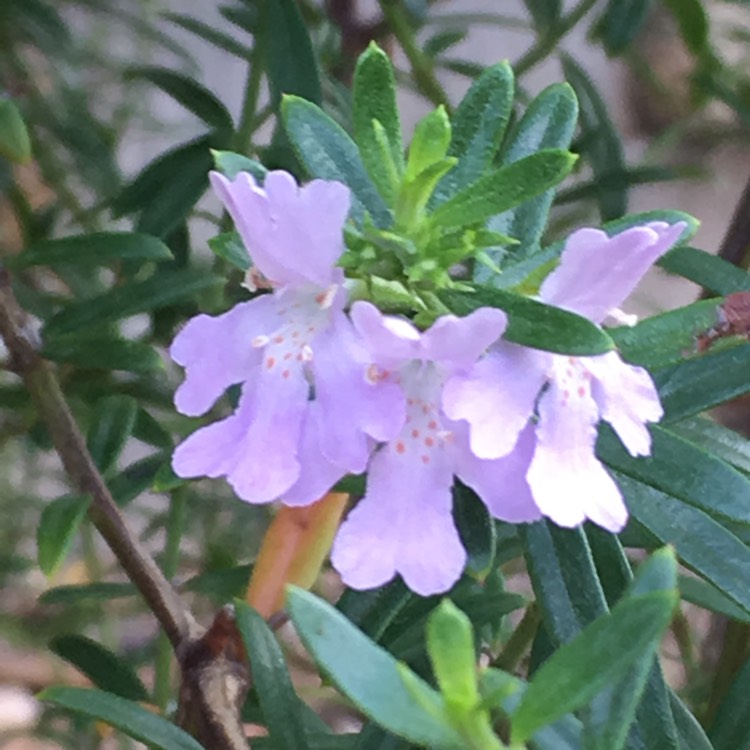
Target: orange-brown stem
(293,550)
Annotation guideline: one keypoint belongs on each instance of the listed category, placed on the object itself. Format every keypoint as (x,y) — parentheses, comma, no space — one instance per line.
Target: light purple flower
(565,396)
(306,415)
(404,522)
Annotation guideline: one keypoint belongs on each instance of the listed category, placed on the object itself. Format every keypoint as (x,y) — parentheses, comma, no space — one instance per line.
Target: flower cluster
(326,392)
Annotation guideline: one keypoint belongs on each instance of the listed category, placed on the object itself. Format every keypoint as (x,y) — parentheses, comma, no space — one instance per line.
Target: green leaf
(137,478)
(161,290)
(564,578)
(112,423)
(704,594)
(603,147)
(716,439)
(683,470)
(693,22)
(617,716)
(209,34)
(104,668)
(429,144)
(278,701)
(290,60)
(601,653)
(222,584)
(188,92)
(15,143)
(667,338)
(95,248)
(620,24)
(544,13)
(549,122)
(504,188)
(369,676)
(229,247)
(702,544)
(374,610)
(327,152)
(730,729)
(478,126)
(86,593)
(690,732)
(168,187)
(231,164)
(450,644)
(477,530)
(102,353)
(533,323)
(702,383)
(707,270)
(375,101)
(57,527)
(128,717)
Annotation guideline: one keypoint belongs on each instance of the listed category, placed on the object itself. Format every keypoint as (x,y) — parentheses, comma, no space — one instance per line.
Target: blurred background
(119,138)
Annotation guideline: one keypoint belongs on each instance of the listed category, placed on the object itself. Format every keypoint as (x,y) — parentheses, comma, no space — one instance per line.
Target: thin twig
(214,668)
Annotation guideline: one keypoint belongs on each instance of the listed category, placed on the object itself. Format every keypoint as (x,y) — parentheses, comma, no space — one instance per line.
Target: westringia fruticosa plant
(434,389)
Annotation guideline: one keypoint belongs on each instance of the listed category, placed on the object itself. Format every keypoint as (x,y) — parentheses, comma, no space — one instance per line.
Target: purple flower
(566,396)
(404,522)
(283,348)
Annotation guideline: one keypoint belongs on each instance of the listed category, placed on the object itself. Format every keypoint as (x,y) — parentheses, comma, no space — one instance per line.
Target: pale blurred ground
(711,200)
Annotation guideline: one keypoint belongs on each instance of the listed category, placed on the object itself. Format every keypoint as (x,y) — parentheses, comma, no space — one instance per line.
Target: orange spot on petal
(270,362)
(400,447)
(429,442)
(432,424)
(285,374)
(415,433)
(425,459)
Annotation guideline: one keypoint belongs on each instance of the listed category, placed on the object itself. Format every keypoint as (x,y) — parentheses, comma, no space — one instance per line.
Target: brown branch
(213,664)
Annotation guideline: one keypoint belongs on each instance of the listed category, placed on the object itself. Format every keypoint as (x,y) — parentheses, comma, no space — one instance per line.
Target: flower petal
(568,482)
(597,272)
(402,525)
(501,484)
(317,474)
(627,398)
(497,396)
(461,341)
(294,235)
(352,407)
(217,352)
(214,450)
(387,338)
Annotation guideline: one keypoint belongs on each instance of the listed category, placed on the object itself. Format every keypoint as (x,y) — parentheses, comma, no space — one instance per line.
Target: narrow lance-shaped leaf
(188,92)
(104,668)
(601,653)
(327,152)
(57,528)
(278,701)
(159,291)
(111,425)
(369,676)
(93,248)
(621,22)
(290,59)
(702,543)
(477,127)
(549,122)
(130,718)
(504,188)
(603,147)
(375,102)
(535,324)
